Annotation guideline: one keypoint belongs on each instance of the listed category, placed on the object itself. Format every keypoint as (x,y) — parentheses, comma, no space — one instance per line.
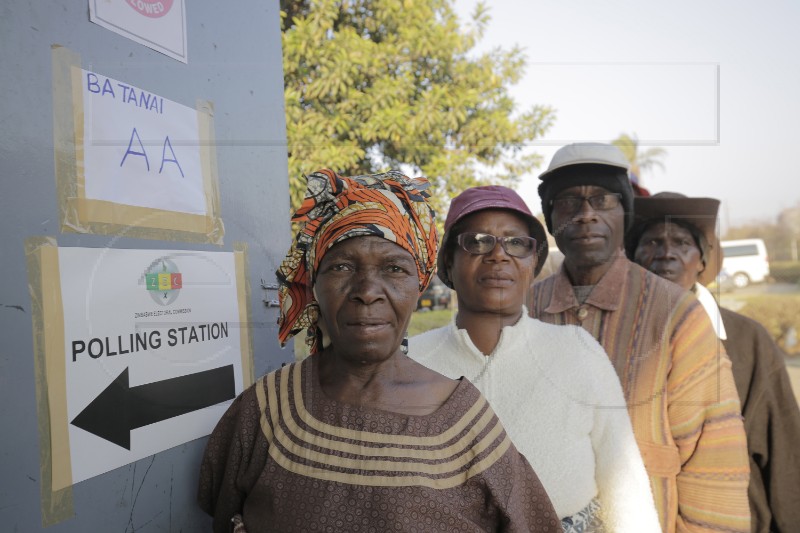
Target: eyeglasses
(598,202)
(484,243)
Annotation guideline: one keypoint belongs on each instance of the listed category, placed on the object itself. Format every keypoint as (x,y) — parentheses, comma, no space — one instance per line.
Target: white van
(745,260)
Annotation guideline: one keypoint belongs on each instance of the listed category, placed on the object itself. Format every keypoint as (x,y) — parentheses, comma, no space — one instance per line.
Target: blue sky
(716,83)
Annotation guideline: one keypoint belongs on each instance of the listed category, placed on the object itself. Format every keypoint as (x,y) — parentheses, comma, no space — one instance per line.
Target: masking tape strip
(208,161)
(243,297)
(135,217)
(67,161)
(44,285)
(85,215)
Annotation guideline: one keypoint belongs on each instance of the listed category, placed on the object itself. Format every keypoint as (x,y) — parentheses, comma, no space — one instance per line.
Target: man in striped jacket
(678,384)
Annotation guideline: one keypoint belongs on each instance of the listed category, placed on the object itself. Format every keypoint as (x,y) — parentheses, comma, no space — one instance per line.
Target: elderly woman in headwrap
(675,237)
(358,437)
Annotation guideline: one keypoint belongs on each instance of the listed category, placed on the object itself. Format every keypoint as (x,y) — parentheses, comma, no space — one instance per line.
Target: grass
(422,321)
(776,312)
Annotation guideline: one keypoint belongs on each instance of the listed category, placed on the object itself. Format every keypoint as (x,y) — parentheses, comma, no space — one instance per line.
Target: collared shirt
(708,302)
(678,386)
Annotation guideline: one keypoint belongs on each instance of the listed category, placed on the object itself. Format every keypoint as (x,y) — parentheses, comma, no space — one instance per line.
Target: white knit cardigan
(559,398)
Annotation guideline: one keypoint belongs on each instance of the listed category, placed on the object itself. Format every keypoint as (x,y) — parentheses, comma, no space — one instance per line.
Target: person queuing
(553,387)
(359,437)
(678,387)
(675,237)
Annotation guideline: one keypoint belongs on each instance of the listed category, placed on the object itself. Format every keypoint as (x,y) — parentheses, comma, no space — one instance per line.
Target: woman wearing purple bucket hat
(553,387)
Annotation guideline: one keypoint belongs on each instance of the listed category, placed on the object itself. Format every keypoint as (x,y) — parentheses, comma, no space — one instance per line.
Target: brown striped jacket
(678,386)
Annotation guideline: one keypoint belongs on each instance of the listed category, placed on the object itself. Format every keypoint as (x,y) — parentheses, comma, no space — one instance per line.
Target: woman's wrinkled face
(671,252)
(367,288)
(495,282)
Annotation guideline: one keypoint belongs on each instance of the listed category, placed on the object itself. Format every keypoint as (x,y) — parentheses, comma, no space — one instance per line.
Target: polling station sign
(153,350)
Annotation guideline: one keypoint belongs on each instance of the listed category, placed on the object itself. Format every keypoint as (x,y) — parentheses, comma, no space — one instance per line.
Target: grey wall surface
(235,62)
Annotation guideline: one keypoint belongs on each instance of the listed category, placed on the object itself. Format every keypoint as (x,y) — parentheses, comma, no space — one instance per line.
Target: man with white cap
(678,385)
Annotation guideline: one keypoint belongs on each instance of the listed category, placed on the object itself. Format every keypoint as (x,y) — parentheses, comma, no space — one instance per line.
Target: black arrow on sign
(120,408)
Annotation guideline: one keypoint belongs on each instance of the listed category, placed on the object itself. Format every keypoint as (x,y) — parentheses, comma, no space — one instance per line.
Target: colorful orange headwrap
(391,205)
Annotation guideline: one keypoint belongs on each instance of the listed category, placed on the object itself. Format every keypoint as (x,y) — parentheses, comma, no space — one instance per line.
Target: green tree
(378,84)
(640,160)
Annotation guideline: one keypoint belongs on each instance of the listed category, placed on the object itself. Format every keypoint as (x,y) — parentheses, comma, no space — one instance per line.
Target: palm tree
(641,161)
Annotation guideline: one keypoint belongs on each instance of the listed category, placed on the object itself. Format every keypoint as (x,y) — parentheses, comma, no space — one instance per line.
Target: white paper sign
(140,149)
(157,24)
(153,351)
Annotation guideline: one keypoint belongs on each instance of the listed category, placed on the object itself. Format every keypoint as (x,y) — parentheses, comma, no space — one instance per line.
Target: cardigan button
(582,313)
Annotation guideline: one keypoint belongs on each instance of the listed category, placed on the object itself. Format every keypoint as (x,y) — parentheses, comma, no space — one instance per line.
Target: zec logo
(163,281)
(151,8)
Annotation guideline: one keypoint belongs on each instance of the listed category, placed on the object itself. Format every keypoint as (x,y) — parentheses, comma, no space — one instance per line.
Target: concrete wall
(234,61)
